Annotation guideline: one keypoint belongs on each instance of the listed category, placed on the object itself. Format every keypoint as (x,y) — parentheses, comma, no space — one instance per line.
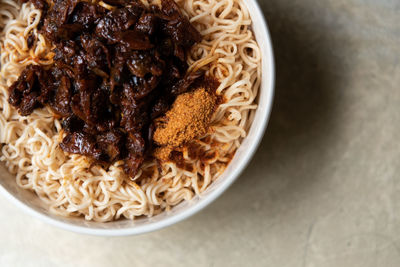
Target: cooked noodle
(70,184)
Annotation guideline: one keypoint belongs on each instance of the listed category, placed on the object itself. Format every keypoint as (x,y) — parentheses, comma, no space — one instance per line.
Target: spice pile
(188,119)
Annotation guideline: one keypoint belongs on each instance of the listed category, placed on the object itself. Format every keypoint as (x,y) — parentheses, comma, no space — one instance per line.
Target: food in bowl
(116,108)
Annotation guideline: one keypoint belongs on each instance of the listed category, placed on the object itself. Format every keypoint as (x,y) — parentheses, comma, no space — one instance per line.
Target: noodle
(72,186)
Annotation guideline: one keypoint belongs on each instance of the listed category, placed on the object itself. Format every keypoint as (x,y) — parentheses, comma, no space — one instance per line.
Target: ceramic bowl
(30,203)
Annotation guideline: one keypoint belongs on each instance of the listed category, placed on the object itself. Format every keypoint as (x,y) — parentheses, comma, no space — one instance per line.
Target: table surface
(323,189)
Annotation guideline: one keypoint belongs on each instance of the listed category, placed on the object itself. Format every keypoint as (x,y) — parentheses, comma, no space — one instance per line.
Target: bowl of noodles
(120,117)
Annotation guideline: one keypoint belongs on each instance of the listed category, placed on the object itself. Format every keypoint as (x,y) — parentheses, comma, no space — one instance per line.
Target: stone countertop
(324,187)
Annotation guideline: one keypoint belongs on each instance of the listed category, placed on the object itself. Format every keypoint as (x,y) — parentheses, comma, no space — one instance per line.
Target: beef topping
(115,70)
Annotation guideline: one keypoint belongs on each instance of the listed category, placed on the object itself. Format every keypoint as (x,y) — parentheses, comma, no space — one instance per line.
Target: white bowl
(30,203)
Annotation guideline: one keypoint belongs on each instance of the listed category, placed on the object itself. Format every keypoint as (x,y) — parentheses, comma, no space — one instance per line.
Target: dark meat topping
(81,143)
(114,72)
(39,4)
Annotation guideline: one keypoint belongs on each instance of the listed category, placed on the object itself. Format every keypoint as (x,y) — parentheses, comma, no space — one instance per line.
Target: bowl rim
(203,202)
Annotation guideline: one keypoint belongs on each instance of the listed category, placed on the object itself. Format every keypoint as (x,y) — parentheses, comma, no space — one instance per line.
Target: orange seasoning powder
(189,118)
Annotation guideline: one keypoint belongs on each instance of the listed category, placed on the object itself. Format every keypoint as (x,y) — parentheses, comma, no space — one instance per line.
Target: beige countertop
(324,187)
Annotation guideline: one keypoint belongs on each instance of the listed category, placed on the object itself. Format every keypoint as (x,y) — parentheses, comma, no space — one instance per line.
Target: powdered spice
(189,118)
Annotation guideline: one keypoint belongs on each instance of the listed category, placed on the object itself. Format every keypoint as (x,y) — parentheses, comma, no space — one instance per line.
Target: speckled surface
(324,187)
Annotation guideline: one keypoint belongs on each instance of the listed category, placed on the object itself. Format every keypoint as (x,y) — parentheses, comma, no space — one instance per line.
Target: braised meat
(115,70)
(39,4)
